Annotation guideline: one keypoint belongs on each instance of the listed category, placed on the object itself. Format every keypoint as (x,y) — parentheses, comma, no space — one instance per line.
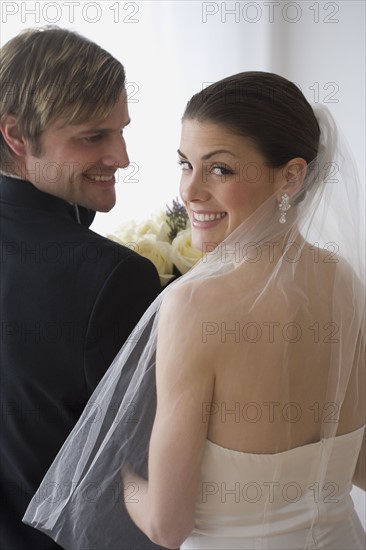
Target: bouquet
(165,239)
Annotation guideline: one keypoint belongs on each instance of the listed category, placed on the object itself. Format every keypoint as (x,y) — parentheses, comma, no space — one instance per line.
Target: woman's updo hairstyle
(266,108)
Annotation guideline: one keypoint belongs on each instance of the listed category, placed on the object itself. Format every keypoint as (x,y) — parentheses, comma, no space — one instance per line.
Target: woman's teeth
(208,217)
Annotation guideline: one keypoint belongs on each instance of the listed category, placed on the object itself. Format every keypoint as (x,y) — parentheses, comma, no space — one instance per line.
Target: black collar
(23,193)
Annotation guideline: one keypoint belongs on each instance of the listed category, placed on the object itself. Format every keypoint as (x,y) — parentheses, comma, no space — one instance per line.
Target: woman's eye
(184,164)
(220,170)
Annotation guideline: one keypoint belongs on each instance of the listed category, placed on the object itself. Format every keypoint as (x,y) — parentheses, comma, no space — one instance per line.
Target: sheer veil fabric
(285,302)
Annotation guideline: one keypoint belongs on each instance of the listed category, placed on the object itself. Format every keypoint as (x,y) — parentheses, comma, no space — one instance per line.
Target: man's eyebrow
(210,154)
(101,130)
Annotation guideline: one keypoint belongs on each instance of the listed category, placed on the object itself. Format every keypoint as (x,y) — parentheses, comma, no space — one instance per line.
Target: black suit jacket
(69,298)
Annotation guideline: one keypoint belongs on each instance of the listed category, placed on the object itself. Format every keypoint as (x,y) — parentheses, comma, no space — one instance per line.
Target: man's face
(77,163)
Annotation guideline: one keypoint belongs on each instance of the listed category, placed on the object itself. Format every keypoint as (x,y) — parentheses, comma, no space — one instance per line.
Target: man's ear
(12,135)
(292,176)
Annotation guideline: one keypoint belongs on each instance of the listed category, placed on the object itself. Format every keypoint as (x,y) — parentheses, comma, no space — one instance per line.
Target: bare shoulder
(193,299)
(183,316)
(328,261)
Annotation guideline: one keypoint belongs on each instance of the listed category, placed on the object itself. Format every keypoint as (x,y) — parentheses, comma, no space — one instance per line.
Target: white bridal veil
(290,310)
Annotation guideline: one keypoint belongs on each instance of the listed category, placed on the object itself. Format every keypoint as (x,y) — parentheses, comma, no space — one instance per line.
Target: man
(69,298)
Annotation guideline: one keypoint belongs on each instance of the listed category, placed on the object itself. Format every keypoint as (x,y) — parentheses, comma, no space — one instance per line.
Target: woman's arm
(185,381)
(359,477)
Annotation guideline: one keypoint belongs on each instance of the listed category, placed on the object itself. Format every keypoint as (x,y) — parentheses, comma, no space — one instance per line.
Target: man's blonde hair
(51,73)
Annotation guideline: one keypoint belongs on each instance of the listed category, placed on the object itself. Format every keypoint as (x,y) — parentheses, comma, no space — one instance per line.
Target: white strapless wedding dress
(261,501)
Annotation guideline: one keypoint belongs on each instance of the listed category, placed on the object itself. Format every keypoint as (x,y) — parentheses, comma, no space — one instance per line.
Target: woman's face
(224,180)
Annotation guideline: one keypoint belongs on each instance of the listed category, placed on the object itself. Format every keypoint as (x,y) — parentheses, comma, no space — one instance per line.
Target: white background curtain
(172,49)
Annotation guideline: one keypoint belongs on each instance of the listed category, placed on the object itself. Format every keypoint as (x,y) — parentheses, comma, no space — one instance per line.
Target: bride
(235,416)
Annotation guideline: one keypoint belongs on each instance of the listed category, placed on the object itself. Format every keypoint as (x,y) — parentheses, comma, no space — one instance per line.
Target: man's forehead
(105,123)
(90,125)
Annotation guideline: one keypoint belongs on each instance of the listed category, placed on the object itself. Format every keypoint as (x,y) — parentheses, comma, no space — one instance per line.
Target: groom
(69,298)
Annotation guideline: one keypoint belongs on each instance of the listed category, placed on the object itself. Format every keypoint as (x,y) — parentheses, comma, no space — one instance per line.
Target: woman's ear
(12,135)
(292,176)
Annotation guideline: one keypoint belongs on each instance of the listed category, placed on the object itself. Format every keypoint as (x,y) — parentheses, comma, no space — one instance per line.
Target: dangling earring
(283,206)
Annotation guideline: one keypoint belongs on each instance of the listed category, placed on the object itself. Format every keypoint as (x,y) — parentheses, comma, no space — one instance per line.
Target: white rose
(125,234)
(131,232)
(159,218)
(147,228)
(159,253)
(184,255)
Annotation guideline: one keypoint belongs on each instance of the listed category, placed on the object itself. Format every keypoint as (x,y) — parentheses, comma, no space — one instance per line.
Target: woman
(260,377)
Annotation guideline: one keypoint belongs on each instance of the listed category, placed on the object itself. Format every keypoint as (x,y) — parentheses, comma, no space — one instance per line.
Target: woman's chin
(204,243)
